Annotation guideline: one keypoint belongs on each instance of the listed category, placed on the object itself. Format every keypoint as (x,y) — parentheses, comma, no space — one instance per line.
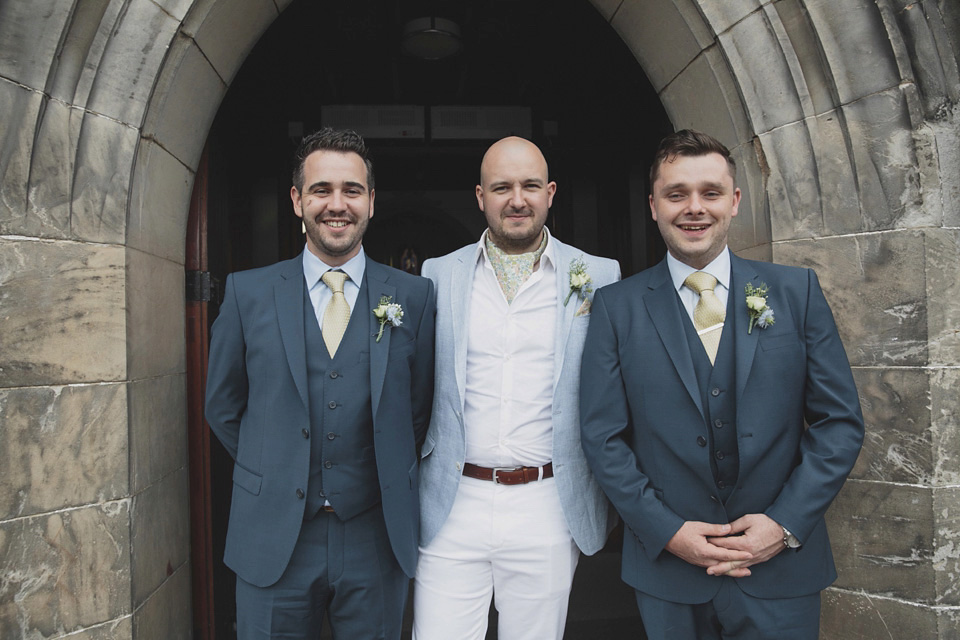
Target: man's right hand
(690,544)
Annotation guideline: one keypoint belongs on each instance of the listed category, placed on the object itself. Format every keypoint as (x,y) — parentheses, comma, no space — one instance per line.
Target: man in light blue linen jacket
(507,500)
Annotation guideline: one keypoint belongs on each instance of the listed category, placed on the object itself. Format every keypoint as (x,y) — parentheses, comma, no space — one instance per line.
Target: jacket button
(328,464)
(718,423)
(306,434)
(334,374)
(701,441)
(300,493)
(331,435)
(721,484)
(714,392)
(715,498)
(719,455)
(332,404)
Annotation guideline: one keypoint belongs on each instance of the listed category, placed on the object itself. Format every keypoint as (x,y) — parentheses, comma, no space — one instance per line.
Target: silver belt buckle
(496,470)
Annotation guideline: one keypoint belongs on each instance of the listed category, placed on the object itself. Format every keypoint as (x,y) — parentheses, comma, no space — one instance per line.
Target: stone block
(721,15)
(942,268)
(159,203)
(159,534)
(877,294)
(64,571)
(230,30)
(607,8)
(21,110)
(708,74)
(61,313)
(185,102)
(847,615)
(751,227)
(61,447)
(650,27)
(761,57)
(166,615)
(886,164)
(945,425)
(29,36)
(813,84)
(792,187)
(855,45)
(946,537)
(882,540)
(926,43)
(158,444)
(82,44)
(104,162)
(137,48)
(898,445)
(155,316)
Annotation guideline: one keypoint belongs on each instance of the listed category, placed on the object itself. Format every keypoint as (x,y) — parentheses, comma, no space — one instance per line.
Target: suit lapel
(565,314)
(288,298)
(461,288)
(661,303)
(742,272)
(377,285)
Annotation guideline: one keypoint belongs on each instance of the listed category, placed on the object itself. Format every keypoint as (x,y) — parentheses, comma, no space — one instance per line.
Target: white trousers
(511,542)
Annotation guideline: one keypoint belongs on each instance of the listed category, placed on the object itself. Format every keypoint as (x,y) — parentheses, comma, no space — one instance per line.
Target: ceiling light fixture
(431,38)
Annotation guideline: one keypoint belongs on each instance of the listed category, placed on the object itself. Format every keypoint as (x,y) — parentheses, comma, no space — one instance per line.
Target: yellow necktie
(709,313)
(337,315)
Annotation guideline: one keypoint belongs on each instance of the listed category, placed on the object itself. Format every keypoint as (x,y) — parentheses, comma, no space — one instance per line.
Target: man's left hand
(755,533)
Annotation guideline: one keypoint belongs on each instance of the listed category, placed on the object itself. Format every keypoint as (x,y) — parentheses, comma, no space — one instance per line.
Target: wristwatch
(789,540)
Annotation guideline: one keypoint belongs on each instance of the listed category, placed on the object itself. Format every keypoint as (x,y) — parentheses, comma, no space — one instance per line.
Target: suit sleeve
(830,446)
(421,379)
(606,431)
(226,396)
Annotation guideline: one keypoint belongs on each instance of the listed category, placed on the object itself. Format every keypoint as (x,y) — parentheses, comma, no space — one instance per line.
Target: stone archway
(843,115)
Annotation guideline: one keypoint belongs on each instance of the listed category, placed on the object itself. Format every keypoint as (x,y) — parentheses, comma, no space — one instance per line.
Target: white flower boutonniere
(580,281)
(760,314)
(388,313)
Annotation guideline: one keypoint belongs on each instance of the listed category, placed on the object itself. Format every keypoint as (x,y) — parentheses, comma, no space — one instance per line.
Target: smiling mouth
(694,227)
(336,224)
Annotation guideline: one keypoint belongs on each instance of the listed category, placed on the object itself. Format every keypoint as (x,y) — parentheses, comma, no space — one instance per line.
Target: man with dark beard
(319,385)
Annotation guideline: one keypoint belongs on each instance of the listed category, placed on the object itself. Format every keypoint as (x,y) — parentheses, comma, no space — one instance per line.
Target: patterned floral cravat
(513,270)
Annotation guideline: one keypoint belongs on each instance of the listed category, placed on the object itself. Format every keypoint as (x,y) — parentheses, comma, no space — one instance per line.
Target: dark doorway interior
(593,113)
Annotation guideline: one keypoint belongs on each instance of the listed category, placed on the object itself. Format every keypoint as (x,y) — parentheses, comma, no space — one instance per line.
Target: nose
(696,205)
(337,202)
(516,198)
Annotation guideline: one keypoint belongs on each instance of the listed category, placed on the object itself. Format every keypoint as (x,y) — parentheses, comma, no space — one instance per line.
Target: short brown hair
(327,139)
(689,143)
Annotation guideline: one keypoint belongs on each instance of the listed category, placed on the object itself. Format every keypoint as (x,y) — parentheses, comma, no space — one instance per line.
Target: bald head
(515,150)
(515,194)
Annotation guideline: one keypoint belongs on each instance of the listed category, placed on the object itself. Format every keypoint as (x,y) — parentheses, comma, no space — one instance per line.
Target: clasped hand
(728,549)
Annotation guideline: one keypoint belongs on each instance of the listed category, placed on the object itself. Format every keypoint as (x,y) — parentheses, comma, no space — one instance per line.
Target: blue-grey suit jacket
(642,417)
(585,508)
(258,406)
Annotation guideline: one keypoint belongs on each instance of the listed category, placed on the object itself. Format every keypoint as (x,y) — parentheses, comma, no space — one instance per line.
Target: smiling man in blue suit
(698,377)
(319,385)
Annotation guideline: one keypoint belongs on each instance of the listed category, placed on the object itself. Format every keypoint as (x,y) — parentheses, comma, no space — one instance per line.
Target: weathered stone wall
(841,112)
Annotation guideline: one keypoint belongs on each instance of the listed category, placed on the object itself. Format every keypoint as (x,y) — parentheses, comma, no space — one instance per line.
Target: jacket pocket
(246,479)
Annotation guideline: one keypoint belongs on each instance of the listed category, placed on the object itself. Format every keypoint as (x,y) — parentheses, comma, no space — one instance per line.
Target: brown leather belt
(327,508)
(508,475)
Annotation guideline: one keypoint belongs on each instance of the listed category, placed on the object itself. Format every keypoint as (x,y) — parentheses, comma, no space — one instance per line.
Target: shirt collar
(719,268)
(549,252)
(314,267)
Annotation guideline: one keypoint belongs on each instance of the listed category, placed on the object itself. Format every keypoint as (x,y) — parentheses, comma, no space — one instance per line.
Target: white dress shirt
(719,269)
(508,402)
(320,293)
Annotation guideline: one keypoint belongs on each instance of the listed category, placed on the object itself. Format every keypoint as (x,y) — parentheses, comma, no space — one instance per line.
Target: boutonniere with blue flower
(580,281)
(760,314)
(388,312)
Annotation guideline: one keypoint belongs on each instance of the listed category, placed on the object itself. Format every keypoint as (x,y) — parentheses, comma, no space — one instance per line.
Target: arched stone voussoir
(226,30)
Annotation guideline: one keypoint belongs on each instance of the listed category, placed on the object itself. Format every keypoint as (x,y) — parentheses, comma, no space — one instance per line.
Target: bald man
(507,501)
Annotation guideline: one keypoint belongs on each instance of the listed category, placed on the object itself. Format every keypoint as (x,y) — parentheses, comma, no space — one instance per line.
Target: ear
(653,207)
(480,197)
(295,197)
(736,202)
(373,194)
(551,191)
